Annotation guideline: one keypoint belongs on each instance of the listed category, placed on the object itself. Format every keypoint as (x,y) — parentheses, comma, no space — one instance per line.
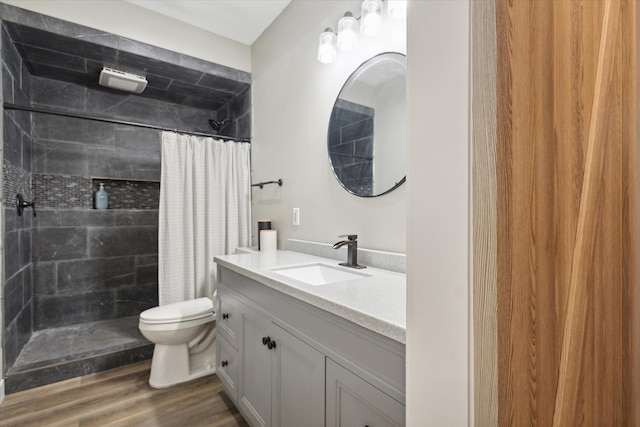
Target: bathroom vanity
(304,342)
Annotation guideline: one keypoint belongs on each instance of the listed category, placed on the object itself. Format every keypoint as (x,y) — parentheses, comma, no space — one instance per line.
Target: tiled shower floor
(57,354)
(53,346)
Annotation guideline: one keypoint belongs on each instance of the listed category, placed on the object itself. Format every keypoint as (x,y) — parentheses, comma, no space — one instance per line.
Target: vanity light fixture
(371,18)
(397,9)
(370,24)
(327,51)
(347,32)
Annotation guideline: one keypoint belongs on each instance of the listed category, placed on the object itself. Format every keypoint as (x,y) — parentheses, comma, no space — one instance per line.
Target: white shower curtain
(205,210)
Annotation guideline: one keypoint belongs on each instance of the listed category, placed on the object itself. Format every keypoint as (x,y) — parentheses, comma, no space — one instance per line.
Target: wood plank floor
(121,397)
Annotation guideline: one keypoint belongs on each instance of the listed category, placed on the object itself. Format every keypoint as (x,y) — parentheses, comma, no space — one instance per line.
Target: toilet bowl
(183,334)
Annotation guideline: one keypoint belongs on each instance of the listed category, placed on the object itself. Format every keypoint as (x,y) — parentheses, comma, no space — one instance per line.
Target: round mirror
(367,131)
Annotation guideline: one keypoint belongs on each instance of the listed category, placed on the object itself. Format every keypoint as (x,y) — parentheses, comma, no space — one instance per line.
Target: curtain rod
(9,106)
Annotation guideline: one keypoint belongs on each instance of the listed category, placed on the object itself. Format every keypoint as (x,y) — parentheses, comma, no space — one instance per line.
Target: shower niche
(76,278)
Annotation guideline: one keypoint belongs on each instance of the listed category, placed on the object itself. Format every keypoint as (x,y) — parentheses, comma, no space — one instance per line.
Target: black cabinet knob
(271,345)
(266,340)
(224,363)
(225,315)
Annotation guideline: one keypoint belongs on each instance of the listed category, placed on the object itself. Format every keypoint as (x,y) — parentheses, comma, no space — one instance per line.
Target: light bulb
(327,51)
(371,17)
(347,32)
(397,9)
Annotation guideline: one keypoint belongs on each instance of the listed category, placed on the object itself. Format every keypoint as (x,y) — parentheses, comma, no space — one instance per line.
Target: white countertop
(376,302)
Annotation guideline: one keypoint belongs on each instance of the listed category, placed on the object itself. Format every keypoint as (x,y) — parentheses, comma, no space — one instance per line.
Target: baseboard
(1,391)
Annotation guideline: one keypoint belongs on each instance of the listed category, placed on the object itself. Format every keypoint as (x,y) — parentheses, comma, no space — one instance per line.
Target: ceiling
(57,52)
(76,60)
(239,20)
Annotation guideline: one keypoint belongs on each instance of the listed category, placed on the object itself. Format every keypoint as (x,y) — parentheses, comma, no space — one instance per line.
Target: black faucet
(352,250)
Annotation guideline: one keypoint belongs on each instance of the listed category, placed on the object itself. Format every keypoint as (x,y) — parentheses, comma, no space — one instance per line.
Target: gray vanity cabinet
(281,378)
(297,365)
(351,401)
(227,344)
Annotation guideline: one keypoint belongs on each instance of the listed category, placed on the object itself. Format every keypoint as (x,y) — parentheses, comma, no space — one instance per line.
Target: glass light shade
(397,9)
(347,32)
(327,51)
(371,17)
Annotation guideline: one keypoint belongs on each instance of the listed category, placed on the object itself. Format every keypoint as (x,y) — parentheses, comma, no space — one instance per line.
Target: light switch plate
(296,216)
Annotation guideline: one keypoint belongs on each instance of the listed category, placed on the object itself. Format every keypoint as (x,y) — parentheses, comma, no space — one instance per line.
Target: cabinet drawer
(351,401)
(227,366)
(229,318)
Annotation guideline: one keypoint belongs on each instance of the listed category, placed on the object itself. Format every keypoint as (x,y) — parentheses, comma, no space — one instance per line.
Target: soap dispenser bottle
(102,198)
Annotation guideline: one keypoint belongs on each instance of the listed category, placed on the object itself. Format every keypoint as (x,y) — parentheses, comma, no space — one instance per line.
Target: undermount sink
(319,274)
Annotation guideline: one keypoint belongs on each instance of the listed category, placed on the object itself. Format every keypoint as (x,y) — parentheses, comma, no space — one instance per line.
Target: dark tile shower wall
(89,264)
(238,111)
(93,265)
(18,290)
(68,153)
(351,145)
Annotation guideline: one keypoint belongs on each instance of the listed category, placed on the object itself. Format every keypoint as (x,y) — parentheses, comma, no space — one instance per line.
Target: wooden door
(565,168)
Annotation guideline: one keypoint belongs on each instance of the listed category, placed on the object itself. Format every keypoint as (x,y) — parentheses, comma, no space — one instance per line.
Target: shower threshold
(57,354)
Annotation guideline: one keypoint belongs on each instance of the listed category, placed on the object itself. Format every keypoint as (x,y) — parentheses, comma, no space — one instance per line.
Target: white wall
(438,267)
(392,128)
(137,23)
(293,95)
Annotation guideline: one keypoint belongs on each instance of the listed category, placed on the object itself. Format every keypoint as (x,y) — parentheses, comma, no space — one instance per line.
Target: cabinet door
(298,382)
(255,368)
(351,401)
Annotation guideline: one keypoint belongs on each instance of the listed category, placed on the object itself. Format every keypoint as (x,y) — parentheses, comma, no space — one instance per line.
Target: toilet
(184,335)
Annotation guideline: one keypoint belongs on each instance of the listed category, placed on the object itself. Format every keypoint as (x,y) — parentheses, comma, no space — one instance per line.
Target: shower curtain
(205,210)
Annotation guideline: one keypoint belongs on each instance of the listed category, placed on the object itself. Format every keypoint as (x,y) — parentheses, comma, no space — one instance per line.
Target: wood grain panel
(593,246)
(566,131)
(483,21)
(632,193)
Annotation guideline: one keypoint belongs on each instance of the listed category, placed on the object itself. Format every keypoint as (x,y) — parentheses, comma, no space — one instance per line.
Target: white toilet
(184,334)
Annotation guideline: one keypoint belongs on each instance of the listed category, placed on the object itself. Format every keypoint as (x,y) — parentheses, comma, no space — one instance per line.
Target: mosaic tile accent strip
(74,192)
(130,194)
(16,180)
(62,192)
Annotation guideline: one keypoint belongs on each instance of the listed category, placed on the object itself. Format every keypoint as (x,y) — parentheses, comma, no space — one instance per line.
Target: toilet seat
(184,311)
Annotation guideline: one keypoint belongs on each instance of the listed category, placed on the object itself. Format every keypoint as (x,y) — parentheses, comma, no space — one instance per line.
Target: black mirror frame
(333,168)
